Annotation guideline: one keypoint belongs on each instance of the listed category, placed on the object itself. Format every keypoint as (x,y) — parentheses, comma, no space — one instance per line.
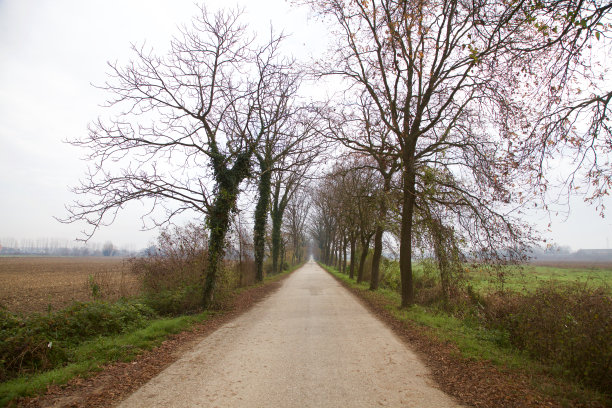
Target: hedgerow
(44,341)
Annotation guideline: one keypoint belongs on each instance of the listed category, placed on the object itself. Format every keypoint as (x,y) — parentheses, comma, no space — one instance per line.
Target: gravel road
(310,344)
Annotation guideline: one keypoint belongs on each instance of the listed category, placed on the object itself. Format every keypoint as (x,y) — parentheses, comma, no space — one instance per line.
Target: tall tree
(279,141)
(297,215)
(183,128)
(289,176)
(464,87)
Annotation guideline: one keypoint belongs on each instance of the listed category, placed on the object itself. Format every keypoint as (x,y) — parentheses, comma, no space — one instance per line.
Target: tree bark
(337,254)
(282,256)
(365,246)
(409,177)
(344,244)
(218,224)
(261,217)
(376,256)
(218,219)
(378,243)
(353,256)
(276,239)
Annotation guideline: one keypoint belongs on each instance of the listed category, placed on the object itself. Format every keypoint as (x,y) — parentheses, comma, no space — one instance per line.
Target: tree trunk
(378,243)
(261,217)
(218,220)
(337,254)
(408,176)
(276,239)
(353,256)
(282,256)
(365,246)
(376,256)
(218,223)
(344,244)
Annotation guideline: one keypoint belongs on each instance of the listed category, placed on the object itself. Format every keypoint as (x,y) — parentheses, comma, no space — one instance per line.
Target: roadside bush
(227,281)
(390,274)
(427,287)
(110,284)
(172,276)
(176,301)
(81,321)
(43,341)
(246,271)
(566,325)
(426,278)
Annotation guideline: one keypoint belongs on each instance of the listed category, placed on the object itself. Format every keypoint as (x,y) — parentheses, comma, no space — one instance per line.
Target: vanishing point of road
(309,344)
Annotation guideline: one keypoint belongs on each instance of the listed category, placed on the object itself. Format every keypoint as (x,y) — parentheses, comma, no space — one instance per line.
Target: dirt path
(310,344)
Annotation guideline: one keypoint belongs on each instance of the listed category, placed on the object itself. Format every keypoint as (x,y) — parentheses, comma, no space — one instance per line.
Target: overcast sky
(50,54)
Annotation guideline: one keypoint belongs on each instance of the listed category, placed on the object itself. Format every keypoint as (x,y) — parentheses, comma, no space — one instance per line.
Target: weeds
(94,287)
(569,325)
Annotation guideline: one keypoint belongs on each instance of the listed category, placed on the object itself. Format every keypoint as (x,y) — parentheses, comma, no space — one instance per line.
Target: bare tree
(460,86)
(361,185)
(297,215)
(344,212)
(323,218)
(285,151)
(183,129)
(290,173)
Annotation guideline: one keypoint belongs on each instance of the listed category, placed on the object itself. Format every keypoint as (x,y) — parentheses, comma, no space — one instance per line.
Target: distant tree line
(59,247)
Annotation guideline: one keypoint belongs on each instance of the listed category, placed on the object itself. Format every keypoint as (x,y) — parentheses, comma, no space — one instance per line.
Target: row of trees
(187,128)
(59,247)
(451,113)
(468,102)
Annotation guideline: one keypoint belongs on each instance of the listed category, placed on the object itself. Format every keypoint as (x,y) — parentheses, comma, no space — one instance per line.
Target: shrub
(40,342)
(390,274)
(427,283)
(567,325)
(173,302)
(227,281)
(110,284)
(246,271)
(172,276)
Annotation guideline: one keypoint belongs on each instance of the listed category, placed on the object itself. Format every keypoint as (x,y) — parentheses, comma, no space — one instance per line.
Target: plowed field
(37,284)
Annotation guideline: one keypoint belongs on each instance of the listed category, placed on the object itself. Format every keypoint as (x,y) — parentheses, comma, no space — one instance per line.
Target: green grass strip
(91,355)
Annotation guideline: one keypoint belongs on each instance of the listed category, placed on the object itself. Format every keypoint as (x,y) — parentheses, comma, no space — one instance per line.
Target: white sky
(51,52)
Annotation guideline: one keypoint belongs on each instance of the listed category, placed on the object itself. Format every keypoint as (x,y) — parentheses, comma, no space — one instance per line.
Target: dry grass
(35,284)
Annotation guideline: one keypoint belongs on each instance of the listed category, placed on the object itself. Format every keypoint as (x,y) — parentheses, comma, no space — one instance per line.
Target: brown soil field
(37,284)
(574,264)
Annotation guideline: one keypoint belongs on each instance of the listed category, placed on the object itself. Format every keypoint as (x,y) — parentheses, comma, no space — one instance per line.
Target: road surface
(310,344)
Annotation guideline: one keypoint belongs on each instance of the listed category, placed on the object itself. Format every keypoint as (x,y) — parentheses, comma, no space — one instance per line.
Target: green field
(528,277)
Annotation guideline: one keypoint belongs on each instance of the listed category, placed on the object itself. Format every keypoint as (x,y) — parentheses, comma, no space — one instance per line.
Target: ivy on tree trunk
(261,217)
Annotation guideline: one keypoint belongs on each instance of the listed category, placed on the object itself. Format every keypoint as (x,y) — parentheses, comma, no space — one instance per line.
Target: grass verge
(92,354)
(476,365)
